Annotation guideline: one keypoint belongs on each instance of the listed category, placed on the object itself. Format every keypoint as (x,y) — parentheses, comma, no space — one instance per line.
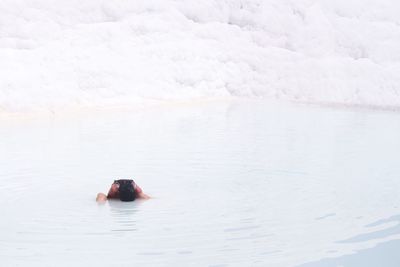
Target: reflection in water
(124,215)
(393,230)
(325,216)
(384,254)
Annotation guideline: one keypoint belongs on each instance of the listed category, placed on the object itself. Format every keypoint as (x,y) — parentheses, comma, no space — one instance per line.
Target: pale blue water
(245,183)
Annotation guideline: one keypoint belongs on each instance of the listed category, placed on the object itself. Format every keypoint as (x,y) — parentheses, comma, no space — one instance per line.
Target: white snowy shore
(57,55)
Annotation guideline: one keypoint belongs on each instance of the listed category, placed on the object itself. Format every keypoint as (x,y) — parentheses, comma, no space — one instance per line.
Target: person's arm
(113,192)
(101,197)
(143,196)
(140,193)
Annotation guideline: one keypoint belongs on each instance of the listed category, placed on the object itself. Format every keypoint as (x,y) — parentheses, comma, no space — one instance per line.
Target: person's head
(126,190)
(127,195)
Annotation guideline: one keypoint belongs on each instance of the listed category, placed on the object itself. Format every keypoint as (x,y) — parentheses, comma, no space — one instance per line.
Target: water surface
(241,183)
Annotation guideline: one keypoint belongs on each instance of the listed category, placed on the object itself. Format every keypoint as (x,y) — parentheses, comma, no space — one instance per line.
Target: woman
(124,190)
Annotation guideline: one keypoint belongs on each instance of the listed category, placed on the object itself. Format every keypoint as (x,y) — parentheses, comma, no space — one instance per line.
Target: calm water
(246,183)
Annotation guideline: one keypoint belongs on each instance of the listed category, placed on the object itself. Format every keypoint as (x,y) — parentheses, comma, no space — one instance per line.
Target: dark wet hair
(126,190)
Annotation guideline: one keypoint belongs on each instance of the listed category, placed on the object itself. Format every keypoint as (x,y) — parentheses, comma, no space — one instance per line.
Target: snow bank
(62,54)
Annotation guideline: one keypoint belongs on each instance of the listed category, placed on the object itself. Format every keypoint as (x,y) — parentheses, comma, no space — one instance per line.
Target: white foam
(100,53)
